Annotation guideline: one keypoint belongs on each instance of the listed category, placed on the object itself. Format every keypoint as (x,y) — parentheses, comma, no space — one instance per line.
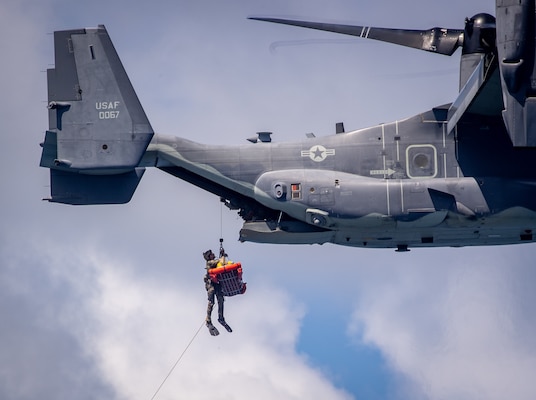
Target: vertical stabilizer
(97,125)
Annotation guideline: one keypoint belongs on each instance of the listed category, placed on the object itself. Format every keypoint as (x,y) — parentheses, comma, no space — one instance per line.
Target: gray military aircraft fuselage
(460,174)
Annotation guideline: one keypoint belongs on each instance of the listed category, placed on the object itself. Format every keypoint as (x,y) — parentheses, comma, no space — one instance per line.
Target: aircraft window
(296,191)
(421,161)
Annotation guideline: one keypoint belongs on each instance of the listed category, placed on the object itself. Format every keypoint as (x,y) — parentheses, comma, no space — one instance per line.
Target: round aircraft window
(421,161)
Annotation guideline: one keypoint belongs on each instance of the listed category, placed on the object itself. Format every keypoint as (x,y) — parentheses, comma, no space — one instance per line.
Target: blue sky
(97,302)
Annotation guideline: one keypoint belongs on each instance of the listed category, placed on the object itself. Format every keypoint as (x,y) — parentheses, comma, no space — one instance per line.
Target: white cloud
(451,330)
(136,329)
(40,353)
(102,299)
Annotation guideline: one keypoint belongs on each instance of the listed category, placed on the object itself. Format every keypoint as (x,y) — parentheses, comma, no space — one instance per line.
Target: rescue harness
(228,275)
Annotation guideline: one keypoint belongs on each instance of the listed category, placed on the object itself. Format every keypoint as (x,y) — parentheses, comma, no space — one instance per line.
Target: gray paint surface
(452,176)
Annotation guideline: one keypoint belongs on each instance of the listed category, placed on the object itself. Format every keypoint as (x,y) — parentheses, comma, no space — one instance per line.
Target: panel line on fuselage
(384,157)
(388,197)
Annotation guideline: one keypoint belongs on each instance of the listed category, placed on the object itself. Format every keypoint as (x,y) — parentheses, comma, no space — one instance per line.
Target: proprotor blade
(435,40)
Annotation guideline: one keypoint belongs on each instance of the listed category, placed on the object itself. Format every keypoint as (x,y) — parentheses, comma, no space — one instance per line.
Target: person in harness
(214,291)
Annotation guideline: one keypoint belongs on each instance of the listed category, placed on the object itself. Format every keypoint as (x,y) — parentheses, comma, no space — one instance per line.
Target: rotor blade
(435,40)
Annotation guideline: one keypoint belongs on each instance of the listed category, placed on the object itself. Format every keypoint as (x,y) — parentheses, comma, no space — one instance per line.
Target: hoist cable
(221,220)
(177,362)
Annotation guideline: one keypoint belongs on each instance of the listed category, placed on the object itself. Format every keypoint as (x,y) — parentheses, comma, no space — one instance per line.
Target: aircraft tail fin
(98,130)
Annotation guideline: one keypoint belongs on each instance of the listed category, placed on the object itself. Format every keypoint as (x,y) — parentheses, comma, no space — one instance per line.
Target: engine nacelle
(479,34)
(515,28)
(516,53)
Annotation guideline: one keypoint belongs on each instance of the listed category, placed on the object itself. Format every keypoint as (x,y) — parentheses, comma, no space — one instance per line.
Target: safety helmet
(206,254)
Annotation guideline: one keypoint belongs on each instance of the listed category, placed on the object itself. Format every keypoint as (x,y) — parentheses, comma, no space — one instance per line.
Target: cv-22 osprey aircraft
(460,174)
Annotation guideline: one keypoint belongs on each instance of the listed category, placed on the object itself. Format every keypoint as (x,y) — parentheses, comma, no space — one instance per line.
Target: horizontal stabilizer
(79,189)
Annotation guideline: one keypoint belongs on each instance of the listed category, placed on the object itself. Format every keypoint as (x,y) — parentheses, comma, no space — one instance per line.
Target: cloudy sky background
(98,302)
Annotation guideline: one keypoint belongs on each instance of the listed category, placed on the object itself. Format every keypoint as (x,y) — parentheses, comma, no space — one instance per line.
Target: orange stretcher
(229,276)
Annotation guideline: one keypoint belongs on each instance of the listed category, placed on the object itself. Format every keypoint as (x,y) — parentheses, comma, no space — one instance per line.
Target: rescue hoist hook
(222,251)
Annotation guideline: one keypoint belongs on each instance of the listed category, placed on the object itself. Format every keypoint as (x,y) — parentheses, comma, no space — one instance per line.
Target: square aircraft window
(295,189)
(421,161)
